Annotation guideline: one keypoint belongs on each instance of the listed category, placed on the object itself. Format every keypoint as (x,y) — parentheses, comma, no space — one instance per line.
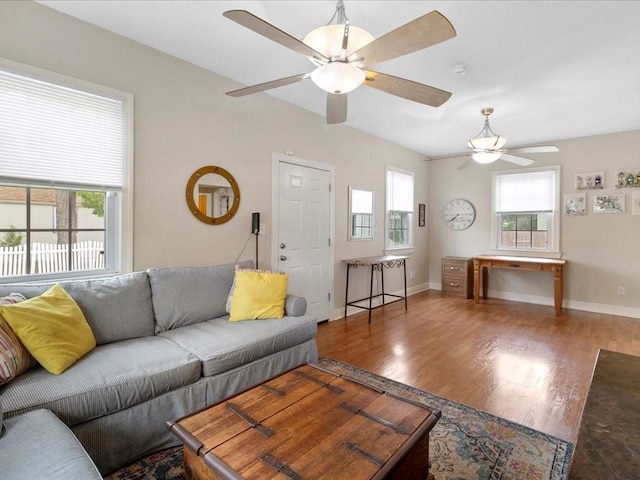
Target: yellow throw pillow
(52,327)
(258,294)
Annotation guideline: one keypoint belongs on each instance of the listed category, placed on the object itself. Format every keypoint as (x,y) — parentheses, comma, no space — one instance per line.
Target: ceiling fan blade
(516,159)
(423,32)
(267,30)
(281,82)
(539,149)
(401,87)
(336,108)
(466,164)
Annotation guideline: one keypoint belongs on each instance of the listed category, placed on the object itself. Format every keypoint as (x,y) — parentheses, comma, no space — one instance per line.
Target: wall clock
(458,214)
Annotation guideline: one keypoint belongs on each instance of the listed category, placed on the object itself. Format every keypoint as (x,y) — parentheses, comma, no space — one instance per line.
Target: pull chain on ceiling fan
(343,54)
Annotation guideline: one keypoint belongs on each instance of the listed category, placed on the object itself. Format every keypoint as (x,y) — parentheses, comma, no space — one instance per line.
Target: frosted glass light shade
(486,157)
(337,77)
(487,143)
(328,40)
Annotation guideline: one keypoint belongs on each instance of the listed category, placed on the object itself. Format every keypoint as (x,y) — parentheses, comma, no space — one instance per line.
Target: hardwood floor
(514,360)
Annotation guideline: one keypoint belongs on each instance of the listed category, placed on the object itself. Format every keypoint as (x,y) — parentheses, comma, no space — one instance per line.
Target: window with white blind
(525,204)
(65,176)
(399,208)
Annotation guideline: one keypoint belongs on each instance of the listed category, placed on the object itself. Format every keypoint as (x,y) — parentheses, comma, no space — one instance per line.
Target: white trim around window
(553,214)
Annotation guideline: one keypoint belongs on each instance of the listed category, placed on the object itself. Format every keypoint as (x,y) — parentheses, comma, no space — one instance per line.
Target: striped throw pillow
(14,357)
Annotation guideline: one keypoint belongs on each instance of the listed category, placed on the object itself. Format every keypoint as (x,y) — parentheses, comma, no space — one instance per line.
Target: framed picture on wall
(608,203)
(421,215)
(575,204)
(590,181)
(635,203)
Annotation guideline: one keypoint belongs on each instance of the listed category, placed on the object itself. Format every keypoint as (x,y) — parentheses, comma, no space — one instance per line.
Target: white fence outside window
(51,258)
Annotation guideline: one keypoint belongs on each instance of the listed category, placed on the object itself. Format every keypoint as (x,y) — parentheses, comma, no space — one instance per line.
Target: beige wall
(184,121)
(602,250)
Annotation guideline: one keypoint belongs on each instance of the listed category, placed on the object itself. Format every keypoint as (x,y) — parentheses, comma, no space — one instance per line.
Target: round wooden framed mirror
(213,195)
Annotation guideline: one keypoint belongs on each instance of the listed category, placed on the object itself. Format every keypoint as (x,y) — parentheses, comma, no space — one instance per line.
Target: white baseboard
(570,304)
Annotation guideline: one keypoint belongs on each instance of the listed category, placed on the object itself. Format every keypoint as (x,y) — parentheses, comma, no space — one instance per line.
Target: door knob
(283,257)
(282,245)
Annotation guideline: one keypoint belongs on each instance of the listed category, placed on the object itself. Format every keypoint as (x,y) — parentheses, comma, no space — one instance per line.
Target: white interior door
(303,235)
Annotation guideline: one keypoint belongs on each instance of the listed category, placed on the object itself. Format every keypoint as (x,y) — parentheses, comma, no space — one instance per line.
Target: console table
(378,263)
(484,262)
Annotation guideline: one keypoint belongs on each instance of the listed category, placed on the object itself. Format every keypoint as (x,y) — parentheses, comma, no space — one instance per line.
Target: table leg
(485,282)
(404,265)
(382,280)
(476,281)
(371,293)
(557,289)
(346,293)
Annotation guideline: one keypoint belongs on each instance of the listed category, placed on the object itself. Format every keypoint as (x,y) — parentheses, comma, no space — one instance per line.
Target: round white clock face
(458,214)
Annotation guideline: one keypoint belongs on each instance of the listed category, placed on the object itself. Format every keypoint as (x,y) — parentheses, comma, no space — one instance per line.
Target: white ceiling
(551,69)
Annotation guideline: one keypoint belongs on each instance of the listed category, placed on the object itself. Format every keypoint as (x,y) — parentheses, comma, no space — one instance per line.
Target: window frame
(407,215)
(553,217)
(118,203)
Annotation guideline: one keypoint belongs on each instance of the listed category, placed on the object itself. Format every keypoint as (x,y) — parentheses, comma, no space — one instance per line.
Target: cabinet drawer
(457,276)
(455,285)
(454,266)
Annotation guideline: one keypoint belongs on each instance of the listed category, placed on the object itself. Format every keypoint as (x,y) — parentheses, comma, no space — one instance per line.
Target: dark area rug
(608,443)
(464,444)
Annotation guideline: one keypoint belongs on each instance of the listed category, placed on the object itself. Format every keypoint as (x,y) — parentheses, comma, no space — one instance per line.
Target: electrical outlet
(620,290)
(263,229)
(412,274)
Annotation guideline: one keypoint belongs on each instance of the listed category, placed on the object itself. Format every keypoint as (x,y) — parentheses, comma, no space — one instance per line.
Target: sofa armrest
(295,306)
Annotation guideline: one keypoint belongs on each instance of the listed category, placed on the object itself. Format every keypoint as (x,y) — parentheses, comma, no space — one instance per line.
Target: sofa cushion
(110,378)
(186,295)
(116,308)
(39,445)
(257,295)
(52,327)
(224,345)
(14,357)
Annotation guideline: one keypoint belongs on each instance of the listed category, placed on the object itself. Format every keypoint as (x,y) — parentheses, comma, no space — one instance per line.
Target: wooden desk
(376,263)
(484,262)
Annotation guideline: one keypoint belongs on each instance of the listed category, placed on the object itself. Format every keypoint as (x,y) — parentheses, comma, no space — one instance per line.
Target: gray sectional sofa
(165,349)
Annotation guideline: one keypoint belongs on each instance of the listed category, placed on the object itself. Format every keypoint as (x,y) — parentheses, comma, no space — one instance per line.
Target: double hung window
(399,209)
(526,210)
(64,166)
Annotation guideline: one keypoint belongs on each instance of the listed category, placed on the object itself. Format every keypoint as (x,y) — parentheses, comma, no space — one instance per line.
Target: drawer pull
(454,284)
(454,268)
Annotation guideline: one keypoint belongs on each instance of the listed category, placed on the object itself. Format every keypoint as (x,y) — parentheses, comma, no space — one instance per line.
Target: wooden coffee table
(308,423)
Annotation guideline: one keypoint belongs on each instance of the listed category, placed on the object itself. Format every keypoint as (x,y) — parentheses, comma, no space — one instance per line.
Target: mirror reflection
(213,195)
(360,214)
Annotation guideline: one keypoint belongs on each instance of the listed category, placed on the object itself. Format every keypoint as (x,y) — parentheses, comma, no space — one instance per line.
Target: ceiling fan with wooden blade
(487,147)
(343,53)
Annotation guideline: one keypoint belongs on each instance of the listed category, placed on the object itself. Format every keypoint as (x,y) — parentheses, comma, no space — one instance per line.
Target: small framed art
(635,203)
(421,215)
(575,204)
(590,181)
(608,203)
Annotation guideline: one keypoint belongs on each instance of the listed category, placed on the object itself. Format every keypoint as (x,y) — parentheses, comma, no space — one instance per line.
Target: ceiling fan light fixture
(486,157)
(486,139)
(328,41)
(493,142)
(338,77)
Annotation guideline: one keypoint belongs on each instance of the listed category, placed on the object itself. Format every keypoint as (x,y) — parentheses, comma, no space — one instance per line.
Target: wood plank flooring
(514,360)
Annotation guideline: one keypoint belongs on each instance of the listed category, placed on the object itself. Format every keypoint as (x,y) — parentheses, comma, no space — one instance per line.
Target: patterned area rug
(465,444)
